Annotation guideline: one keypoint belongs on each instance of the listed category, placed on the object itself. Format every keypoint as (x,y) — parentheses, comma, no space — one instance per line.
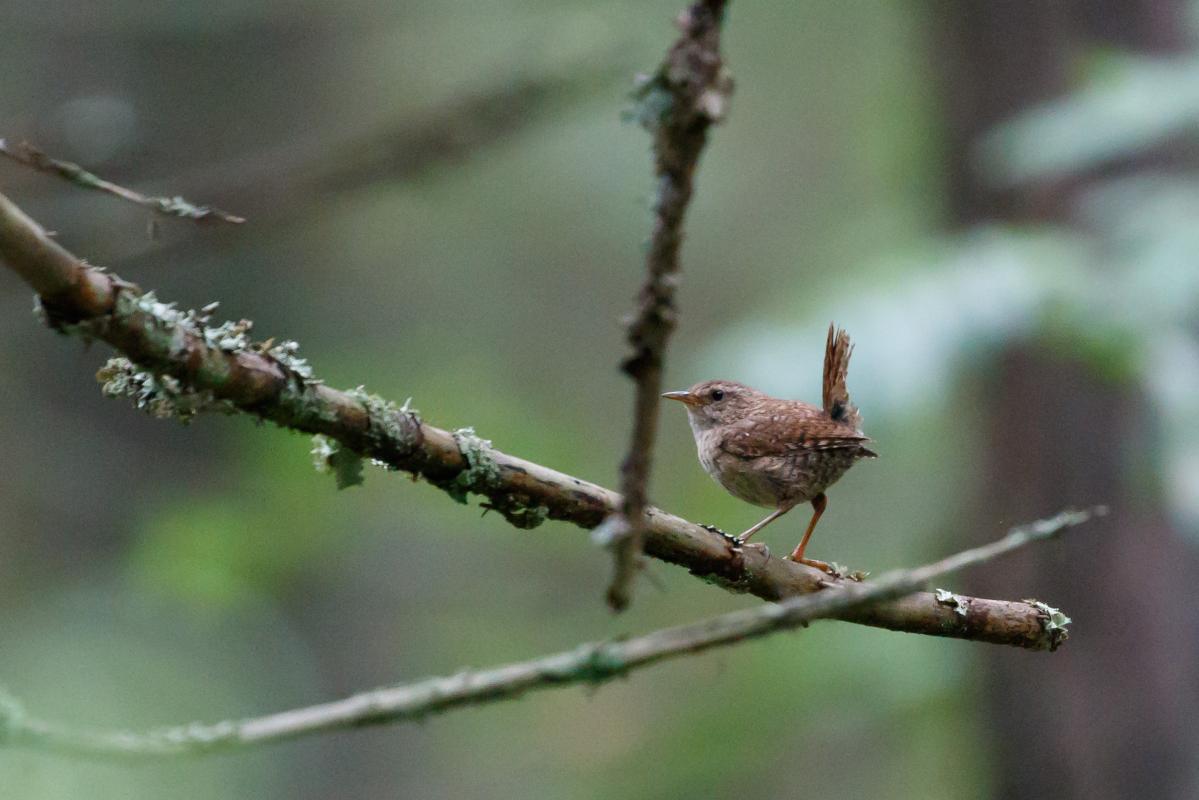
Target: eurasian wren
(778,453)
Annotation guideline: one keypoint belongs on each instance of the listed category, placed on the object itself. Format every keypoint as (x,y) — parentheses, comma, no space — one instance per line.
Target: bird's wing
(804,427)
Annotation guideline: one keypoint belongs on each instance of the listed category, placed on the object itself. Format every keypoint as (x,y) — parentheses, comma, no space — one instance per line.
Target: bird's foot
(823,566)
(736,541)
(834,569)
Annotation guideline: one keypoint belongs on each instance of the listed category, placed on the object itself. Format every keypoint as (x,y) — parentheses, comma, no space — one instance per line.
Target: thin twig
(220,368)
(30,156)
(688,93)
(592,663)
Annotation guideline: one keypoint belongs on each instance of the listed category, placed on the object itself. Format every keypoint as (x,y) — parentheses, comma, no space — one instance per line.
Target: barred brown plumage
(779,453)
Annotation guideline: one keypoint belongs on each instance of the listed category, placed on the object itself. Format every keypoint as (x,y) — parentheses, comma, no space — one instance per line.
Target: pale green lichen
(165,319)
(594,662)
(161,396)
(526,517)
(329,457)
(1052,620)
(169,332)
(285,353)
(323,449)
(947,598)
(232,337)
(652,101)
(392,427)
(482,473)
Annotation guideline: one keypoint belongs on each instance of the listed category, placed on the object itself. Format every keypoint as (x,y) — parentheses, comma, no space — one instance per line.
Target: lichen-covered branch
(592,663)
(677,104)
(219,367)
(30,156)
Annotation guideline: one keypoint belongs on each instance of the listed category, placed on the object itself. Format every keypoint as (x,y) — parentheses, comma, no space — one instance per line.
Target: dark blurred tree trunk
(1111,715)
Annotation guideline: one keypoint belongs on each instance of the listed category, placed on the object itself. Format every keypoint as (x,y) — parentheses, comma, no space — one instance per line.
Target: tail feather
(836,366)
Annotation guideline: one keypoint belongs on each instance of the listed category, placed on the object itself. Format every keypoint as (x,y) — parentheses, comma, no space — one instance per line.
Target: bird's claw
(836,570)
(735,541)
(719,532)
(833,569)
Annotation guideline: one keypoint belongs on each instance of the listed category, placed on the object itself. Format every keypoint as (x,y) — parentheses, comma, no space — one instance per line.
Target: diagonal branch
(30,156)
(219,368)
(592,663)
(678,104)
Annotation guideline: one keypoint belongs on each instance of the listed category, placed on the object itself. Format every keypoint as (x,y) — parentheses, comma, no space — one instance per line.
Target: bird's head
(713,403)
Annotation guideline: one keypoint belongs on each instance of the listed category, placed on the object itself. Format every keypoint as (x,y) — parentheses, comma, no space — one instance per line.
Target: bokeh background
(998,200)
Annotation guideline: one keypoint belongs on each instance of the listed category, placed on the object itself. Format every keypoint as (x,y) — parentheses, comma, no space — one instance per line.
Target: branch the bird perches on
(208,368)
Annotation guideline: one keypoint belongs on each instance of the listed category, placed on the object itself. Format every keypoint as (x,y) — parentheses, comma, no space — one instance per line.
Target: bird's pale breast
(790,478)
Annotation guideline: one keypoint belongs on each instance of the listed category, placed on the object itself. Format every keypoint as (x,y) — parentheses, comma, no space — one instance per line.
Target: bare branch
(298,175)
(226,371)
(688,93)
(592,663)
(30,156)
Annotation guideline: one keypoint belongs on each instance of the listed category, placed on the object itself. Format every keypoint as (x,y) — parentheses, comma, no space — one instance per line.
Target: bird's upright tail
(836,366)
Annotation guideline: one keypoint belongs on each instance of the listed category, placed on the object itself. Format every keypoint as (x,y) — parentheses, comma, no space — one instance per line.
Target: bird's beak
(683,397)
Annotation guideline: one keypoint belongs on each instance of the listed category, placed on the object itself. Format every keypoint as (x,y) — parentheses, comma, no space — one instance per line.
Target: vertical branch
(677,104)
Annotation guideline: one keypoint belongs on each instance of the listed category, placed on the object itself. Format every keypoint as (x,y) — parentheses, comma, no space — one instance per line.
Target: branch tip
(30,156)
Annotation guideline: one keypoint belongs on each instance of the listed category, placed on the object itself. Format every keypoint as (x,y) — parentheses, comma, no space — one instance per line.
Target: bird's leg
(743,538)
(819,503)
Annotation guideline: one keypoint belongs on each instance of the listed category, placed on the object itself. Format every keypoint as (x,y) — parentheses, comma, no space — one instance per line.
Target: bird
(779,453)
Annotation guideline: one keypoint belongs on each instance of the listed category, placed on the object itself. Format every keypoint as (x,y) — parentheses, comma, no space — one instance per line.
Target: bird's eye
(717,394)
